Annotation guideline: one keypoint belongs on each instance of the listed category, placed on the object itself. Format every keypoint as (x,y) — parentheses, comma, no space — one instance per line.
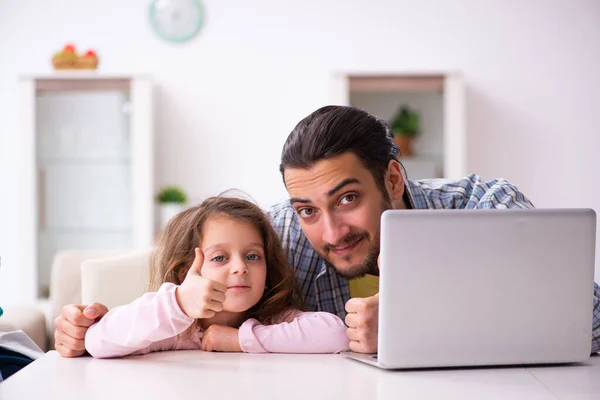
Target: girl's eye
(347,199)
(253,257)
(305,212)
(218,259)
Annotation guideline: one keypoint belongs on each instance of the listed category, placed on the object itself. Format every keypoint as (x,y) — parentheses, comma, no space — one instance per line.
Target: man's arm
(497,193)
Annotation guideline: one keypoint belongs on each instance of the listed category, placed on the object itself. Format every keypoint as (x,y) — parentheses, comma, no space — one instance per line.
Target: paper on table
(19,342)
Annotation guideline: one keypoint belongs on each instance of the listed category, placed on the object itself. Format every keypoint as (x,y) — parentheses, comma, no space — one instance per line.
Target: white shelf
(391,83)
(81,74)
(420,167)
(438,96)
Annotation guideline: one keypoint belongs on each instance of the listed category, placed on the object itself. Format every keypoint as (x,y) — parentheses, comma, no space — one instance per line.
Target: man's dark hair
(333,130)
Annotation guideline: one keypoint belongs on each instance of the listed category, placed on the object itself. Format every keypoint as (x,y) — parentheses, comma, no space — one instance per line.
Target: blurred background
(499,88)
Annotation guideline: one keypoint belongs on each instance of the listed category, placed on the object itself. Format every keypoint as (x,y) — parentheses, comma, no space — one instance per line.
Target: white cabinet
(439,98)
(86,177)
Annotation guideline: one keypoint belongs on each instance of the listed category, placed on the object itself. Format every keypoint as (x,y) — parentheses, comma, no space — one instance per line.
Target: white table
(201,375)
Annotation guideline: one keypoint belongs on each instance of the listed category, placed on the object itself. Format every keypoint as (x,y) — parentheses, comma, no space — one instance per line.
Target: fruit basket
(68,58)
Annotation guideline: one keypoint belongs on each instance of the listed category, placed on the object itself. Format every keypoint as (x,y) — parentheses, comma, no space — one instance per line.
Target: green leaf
(171,194)
(406,122)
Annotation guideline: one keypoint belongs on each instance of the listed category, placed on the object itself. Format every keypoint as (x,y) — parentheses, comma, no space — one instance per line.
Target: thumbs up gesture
(199,297)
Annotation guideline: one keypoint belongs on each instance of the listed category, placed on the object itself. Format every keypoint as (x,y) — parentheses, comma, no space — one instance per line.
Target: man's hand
(221,338)
(199,297)
(71,326)
(363,321)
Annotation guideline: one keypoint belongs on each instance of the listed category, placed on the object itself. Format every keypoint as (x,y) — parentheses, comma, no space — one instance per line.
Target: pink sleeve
(308,332)
(151,323)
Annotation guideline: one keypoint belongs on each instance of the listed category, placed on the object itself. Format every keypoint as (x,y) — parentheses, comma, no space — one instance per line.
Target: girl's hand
(221,338)
(199,297)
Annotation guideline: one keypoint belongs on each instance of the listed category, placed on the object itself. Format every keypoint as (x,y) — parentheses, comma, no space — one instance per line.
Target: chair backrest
(65,281)
(115,281)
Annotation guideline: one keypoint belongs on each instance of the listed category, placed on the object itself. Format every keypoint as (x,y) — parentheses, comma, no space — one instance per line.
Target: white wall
(227,100)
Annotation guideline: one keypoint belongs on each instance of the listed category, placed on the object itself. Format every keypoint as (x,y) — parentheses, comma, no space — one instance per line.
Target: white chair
(65,288)
(65,277)
(115,281)
(28,319)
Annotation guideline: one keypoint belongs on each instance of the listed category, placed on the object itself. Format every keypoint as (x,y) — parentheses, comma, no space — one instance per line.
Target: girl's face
(234,256)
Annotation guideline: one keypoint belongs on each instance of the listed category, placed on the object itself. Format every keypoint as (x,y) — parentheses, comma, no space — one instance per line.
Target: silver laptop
(485,287)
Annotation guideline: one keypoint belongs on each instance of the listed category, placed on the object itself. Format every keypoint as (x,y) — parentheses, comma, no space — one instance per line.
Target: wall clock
(176,20)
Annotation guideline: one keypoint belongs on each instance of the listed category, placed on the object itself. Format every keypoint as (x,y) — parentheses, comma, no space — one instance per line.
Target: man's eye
(218,259)
(253,257)
(305,212)
(347,199)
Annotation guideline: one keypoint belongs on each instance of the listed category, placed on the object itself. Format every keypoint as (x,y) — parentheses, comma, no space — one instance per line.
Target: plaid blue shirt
(324,290)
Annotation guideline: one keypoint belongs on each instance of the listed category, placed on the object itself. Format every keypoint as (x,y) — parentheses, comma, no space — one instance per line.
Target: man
(341,170)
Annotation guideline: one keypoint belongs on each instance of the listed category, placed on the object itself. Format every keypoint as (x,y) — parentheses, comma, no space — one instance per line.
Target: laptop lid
(485,287)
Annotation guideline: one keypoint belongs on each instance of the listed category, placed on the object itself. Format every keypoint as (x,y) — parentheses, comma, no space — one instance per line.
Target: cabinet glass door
(84,165)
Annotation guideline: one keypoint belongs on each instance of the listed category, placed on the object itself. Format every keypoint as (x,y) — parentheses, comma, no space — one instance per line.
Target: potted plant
(171,200)
(406,126)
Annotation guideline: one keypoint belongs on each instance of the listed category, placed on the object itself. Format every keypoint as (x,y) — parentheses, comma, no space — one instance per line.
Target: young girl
(220,281)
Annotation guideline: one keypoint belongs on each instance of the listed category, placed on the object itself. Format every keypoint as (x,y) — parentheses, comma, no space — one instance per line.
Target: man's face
(339,206)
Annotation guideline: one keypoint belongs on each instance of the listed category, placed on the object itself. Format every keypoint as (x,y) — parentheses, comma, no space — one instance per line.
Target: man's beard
(367,266)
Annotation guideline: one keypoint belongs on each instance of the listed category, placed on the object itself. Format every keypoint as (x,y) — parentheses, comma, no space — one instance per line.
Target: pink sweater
(154,322)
